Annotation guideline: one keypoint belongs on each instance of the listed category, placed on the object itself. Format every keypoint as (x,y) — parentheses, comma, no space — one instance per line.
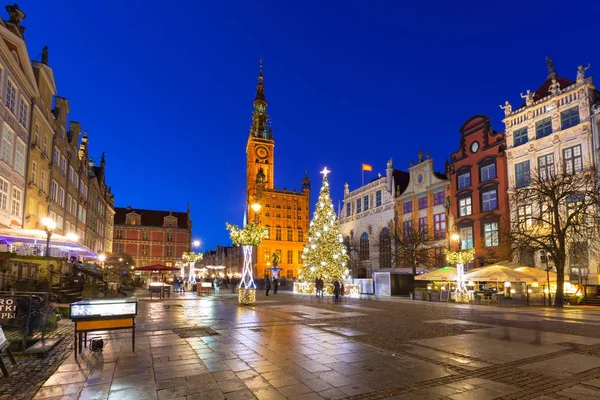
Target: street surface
(302,347)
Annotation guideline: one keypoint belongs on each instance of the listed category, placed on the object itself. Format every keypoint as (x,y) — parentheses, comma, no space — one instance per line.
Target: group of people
(338,289)
(274,283)
(178,285)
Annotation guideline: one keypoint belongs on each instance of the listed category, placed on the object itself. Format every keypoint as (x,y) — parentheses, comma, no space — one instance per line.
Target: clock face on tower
(262,152)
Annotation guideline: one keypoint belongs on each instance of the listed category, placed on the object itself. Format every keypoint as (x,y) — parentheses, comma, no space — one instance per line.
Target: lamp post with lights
(49,226)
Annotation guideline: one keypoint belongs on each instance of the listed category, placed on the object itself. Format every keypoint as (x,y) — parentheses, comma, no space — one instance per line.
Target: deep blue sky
(166,88)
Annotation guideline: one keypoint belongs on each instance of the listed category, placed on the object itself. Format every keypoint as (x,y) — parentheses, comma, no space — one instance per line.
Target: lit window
(466,237)
(278,233)
(524,216)
(546,167)
(290,256)
(423,227)
(3,194)
(491,234)
(573,161)
(464,207)
(439,226)
(17,201)
(20,157)
(300,235)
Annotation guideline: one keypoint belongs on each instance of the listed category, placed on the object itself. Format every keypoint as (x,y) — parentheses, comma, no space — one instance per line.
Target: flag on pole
(367,167)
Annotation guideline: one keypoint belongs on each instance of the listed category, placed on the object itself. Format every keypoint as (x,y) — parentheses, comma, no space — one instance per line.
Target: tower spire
(260,88)
(260,128)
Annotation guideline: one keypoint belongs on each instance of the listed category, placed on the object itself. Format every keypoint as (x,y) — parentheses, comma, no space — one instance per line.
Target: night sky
(166,90)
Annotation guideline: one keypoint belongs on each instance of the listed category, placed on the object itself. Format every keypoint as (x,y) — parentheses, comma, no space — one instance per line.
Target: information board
(8,309)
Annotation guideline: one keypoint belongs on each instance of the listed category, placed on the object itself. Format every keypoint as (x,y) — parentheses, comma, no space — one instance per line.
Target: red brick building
(478,210)
(152,236)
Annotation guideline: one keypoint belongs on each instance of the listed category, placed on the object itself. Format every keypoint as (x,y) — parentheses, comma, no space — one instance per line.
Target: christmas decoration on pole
(460,258)
(248,237)
(324,254)
(191,258)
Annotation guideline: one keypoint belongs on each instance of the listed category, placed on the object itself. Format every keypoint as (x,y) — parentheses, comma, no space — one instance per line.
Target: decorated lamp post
(191,258)
(460,258)
(248,237)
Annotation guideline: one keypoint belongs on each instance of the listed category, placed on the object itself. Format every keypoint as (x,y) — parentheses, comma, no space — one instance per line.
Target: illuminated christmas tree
(324,255)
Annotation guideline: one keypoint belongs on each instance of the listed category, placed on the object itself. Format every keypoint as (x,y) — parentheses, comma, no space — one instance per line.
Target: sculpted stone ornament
(581,72)
(15,14)
(554,87)
(528,97)
(45,55)
(507,108)
(421,155)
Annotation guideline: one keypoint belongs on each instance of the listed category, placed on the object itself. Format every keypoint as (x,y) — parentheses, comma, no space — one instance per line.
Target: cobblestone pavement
(301,347)
(33,371)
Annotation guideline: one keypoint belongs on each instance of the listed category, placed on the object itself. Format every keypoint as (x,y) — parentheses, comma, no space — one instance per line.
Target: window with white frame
(466,237)
(23,112)
(76,180)
(69,200)
(490,231)
(348,209)
(546,167)
(19,157)
(522,174)
(11,96)
(7,145)
(59,222)
(524,216)
(63,164)
(488,172)
(543,128)
(464,180)
(53,190)
(465,207)
(378,198)
(3,194)
(45,145)
(74,207)
(34,168)
(489,200)
(71,172)
(17,202)
(43,180)
(61,196)
(573,160)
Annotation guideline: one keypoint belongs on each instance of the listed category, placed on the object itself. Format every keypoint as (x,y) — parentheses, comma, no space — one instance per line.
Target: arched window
(385,249)
(364,246)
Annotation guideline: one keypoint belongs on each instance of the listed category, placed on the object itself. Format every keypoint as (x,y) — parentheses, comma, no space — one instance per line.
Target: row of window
(288,207)
(278,215)
(572,163)
(439,228)
(11,198)
(543,128)
(169,238)
(488,201)
(144,250)
(289,234)
(11,102)
(487,172)
(491,236)
(363,204)
(438,198)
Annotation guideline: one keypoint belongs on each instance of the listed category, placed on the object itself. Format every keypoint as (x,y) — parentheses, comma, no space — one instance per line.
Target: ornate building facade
(367,222)
(152,236)
(421,208)
(286,213)
(551,133)
(230,257)
(18,88)
(478,209)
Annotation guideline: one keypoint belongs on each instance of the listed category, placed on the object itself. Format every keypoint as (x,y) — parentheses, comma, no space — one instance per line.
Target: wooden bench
(204,287)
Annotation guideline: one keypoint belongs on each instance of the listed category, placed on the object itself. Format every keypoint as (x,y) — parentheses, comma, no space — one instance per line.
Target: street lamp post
(548,277)
(49,226)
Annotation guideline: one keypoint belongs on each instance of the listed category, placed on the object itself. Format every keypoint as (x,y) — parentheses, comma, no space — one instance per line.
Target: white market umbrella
(446,274)
(498,273)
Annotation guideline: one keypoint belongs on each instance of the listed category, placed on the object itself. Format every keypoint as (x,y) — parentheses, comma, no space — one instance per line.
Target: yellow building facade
(285,213)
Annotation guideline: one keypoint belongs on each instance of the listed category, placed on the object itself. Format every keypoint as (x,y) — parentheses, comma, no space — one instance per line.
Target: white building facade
(367,221)
(552,133)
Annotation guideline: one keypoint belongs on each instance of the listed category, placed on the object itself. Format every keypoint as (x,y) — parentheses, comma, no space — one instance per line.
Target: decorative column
(248,237)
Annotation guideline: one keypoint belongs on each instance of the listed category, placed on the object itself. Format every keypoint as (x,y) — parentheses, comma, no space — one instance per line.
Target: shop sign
(8,309)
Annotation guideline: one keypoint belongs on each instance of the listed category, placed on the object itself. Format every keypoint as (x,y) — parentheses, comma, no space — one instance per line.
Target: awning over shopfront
(445,274)
(499,273)
(36,237)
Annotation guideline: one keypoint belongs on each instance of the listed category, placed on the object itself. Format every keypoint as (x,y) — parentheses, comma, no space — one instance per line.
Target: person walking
(216,285)
(275,285)
(267,284)
(317,286)
(336,290)
(342,292)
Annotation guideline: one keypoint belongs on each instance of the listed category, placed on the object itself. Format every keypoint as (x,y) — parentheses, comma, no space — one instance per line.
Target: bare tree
(414,248)
(556,213)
